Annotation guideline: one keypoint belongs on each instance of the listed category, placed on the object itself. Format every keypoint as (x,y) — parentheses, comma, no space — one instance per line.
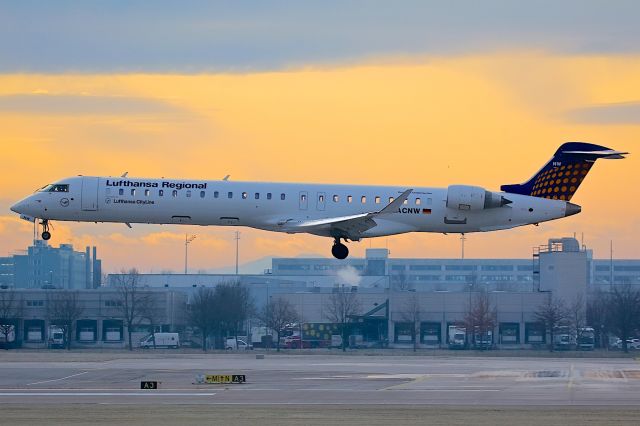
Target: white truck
(55,338)
(457,337)
(240,345)
(162,340)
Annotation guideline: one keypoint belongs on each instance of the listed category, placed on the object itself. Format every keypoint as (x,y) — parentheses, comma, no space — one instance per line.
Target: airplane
(342,212)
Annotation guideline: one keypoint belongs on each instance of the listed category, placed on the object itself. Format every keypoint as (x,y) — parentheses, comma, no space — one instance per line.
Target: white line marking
(102,394)
(56,380)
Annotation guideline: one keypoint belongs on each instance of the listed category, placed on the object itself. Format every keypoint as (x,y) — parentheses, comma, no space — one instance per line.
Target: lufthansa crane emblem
(64,202)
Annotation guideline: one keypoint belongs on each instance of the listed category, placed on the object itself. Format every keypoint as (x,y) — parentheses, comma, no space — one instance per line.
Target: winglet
(393,206)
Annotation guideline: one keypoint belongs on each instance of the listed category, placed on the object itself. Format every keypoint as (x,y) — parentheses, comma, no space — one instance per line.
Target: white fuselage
(275,206)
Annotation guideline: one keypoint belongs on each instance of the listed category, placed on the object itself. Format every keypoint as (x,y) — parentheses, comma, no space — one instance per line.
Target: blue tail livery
(560,178)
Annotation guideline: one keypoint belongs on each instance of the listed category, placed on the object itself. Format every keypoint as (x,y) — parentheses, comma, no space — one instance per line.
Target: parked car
(631,344)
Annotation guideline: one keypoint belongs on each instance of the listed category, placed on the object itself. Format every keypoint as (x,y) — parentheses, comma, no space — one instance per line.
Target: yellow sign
(225,378)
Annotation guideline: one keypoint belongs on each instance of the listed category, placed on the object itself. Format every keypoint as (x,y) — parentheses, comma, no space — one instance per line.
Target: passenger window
(120,191)
(257,195)
(201,194)
(161,192)
(216,194)
(406,202)
(174,193)
(303,197)
(418,201)
(146,192)
(283,197)
(391,200)
(363,199)
(377,200)
(336,198)
(244,195)
(133,192)
(268,195)
(230,195)
(188,193)
(321,198)
(349,198)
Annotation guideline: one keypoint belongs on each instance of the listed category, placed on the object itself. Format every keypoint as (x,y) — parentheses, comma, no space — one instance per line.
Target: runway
(339,380)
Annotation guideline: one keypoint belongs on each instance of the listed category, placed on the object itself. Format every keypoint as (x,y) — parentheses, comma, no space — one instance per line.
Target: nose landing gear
(45,229)
(339,250)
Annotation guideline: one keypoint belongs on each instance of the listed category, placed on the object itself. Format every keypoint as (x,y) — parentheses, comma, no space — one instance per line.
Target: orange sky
(485,120)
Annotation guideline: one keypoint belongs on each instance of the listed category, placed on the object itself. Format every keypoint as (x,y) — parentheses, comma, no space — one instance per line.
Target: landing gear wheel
(45,229)
(339,251)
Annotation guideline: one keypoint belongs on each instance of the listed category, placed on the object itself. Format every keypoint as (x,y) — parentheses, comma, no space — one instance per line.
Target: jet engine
(465,197)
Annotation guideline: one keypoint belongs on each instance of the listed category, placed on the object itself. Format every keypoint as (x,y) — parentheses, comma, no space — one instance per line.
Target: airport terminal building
(393,294)
(442,288)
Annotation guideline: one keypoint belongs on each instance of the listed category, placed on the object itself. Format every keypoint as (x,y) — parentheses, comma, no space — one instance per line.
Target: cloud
(624,113)
(197,36)
(68,104)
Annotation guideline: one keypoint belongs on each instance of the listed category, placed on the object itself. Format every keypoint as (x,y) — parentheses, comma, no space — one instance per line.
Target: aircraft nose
(19,207)
(572,209)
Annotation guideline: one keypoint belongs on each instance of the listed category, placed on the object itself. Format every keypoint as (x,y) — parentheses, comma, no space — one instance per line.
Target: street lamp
(187,239)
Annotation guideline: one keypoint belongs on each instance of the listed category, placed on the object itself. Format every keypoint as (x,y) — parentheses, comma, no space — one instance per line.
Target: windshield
(54,187)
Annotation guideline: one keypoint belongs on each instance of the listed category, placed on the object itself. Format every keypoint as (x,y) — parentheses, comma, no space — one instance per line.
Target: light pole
(237,238)
(187,239)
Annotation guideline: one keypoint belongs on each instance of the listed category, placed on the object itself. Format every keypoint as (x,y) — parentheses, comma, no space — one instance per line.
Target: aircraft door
(89,196)
(321,201)
(304,200)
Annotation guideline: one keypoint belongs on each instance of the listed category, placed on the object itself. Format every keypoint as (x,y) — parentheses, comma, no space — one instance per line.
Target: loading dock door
(89,197)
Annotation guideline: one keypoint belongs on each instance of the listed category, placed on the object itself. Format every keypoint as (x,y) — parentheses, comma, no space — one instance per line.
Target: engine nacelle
(465,197)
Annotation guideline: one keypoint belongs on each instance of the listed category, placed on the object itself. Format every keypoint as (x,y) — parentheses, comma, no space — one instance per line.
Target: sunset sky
(407,93)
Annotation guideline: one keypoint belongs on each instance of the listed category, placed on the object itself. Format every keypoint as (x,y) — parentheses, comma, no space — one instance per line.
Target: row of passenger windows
(188,193)
(269,196)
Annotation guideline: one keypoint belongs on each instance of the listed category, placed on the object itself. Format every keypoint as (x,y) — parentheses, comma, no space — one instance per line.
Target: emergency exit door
(89,197)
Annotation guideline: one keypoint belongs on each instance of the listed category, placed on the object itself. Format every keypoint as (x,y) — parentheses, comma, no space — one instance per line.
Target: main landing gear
(339,250)
(45,229)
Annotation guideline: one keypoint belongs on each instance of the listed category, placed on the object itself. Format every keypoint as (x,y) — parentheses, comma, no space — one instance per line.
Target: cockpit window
(55,188)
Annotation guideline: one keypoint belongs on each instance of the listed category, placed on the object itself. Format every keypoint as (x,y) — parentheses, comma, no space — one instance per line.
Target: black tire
(46,235)
(340,251)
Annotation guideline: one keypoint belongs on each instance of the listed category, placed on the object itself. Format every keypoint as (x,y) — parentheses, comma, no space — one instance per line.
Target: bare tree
(64,309)
(481,317)
(131,299)
(551,313)
(401,281)
(202,312)
(341,306)
(277,315)
(577,316)
(236,305)
(150,311)
(597,306)
(10,311)
(411,313)
(623,313)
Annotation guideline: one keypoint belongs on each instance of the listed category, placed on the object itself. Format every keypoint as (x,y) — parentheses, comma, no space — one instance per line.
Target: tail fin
(560,178)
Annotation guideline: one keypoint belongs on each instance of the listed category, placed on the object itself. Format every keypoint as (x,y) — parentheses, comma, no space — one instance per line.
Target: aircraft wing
(350,227)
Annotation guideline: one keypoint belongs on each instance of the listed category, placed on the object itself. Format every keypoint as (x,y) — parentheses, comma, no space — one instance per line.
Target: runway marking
(56,380)
(102,394)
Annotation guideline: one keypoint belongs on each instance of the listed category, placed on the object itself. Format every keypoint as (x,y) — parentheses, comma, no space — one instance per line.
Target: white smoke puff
(348,276)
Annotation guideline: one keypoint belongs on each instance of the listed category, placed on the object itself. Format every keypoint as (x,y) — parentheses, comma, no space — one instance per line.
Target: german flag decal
(426,211)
